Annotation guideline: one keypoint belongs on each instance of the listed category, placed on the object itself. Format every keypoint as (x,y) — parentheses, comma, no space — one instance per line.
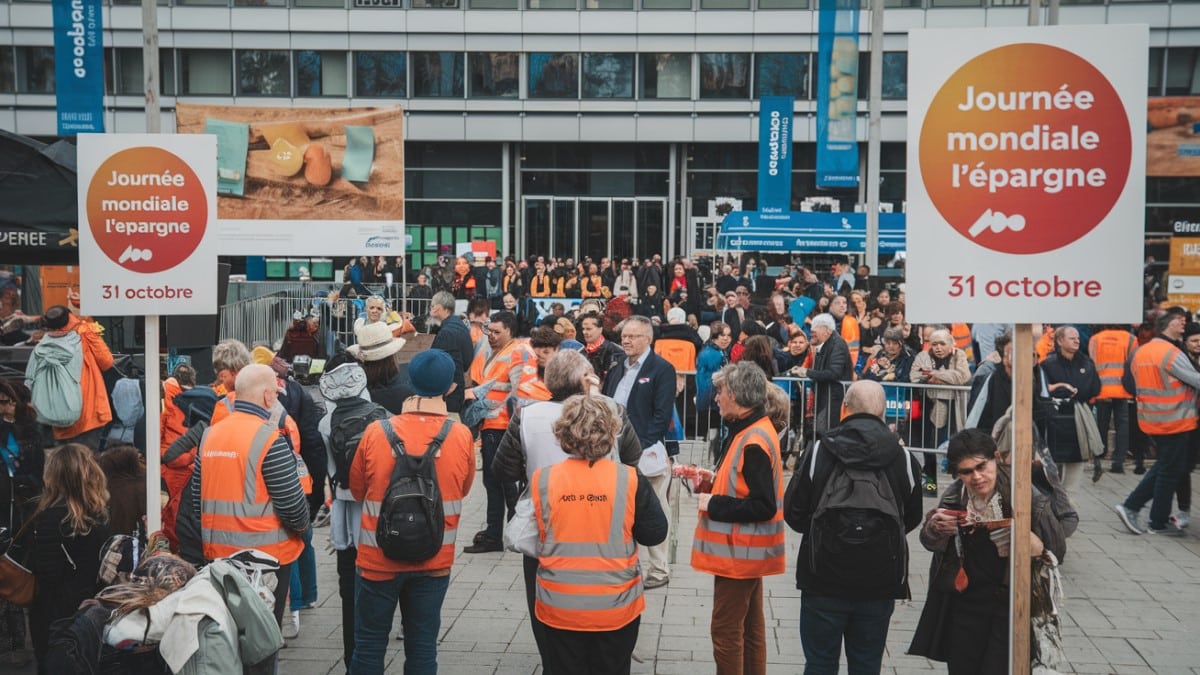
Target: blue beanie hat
(430,373)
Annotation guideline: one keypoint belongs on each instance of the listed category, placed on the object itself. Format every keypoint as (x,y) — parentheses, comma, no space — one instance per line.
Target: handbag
(1087,432)
(17,584)
(521,531)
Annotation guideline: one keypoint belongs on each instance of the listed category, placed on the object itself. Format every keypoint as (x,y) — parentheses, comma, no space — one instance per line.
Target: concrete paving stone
(494,630)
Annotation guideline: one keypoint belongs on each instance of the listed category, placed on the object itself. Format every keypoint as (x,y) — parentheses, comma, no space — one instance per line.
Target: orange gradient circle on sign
(1025,148)
(146,209)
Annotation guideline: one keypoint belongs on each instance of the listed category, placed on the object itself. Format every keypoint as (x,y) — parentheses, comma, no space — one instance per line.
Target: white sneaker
(1180,519)
(291,625)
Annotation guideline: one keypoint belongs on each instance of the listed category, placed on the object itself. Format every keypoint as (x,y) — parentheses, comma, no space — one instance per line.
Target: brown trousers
(739,630)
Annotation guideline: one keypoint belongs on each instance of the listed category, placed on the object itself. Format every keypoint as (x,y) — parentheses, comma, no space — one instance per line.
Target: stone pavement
(1133,605)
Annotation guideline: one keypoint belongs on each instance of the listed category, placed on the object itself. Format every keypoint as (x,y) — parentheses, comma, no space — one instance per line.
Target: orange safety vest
(1110,349)
(588,577)
(224,408)
(961,333)
(1045,346)
(499,367)
(374,461)
(235,509)
(850,334)
(679,353)
(539,287)
(590,287)
(1165,405)
(743,550)
(482,351)
(532,387)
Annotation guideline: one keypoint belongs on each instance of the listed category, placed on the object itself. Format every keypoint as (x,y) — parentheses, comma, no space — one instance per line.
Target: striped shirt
(279,475)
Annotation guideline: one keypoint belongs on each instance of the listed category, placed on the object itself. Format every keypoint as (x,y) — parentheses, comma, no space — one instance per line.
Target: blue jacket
(710,360)
(651,404)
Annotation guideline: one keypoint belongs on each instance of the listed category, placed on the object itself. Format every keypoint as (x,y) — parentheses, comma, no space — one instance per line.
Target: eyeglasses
(743,293)
(978,468)
(7,401)
(631,336)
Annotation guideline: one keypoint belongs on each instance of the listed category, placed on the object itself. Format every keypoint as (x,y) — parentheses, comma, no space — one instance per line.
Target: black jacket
(454,338)
(651,403)
(604,359)
(760,503)
(1079,372)
(304,410)
(862,442)
(831,367)
(392,394)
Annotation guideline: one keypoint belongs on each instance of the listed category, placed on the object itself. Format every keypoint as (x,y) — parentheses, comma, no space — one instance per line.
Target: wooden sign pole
(1023,365)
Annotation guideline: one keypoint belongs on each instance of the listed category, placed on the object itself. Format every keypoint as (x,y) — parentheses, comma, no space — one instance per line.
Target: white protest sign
(1026,174)
(147,217)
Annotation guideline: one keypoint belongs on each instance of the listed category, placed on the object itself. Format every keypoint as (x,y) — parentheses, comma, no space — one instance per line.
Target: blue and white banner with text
(775,154)
(837,94)
(79,66)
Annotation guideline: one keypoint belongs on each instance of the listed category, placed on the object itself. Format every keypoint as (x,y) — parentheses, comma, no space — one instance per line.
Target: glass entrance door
(570,227)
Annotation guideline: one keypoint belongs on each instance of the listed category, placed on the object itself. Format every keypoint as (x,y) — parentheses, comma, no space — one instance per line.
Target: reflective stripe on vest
(1165,405)
(248,520)
(586,585)
(1112,349)
(743,550)
(499,369)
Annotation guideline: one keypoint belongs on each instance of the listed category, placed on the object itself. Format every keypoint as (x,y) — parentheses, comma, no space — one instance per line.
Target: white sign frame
(940,260)
(189,287)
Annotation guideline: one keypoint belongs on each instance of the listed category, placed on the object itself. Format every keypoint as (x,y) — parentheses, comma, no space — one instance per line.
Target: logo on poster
(146,209)
(1025,148)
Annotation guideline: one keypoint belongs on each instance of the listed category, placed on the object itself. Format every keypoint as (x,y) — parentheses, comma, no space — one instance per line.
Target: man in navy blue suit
(644,383)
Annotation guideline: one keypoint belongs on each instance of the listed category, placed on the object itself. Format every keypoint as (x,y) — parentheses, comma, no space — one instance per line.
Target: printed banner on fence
(775,154)
(1173,136)
(78,66)
(305,181)
(837,94)
(1026,174)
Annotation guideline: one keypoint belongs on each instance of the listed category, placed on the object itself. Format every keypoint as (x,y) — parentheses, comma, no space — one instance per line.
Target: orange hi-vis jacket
(961,333)
(540,286)
(743,550)
(588,577)
(679,353)
(371,474)
(850,334)
(506,368)
(1165,404)
(532,388)
(1111,349)
(235,508)
(224,408)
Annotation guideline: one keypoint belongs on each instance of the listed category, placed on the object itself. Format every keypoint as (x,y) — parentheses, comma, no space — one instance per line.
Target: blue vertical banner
(837,94)
(775,154)
(78,66)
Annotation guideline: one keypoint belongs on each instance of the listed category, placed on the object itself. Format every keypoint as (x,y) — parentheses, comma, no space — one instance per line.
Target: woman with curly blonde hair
(69,528)
(591,515)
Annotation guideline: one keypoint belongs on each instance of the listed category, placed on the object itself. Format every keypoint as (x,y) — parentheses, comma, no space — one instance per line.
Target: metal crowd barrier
(923,415)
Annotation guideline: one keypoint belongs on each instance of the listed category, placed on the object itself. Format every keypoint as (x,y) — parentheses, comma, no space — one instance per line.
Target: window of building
(263,72)
(494,75)
(781,75)
(128,75)
(552,4)
(724,76)
(205,72)
(341,4)
(8,80)
(553,75)
(608,4)
(321,73)
(435,4)
(665,76)
(380,74)
(724,4)
(1183,78)
(666,4)
(437,74)
(495,4)
(35,70)
(260,3)
(608,75)
(1155,76)
(784,4)
(895,75)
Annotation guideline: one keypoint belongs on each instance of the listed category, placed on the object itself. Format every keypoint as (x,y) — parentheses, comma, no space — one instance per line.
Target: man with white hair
(849,588)
(830,368)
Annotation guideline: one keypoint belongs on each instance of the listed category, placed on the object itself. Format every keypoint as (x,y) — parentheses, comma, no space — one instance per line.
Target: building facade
(560,127)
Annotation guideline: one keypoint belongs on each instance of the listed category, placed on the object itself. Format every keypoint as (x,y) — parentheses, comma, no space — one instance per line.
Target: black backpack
(412,520)
(346,427)
(857,531)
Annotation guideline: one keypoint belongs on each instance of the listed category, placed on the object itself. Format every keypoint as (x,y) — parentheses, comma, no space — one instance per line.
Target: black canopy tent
(38,209)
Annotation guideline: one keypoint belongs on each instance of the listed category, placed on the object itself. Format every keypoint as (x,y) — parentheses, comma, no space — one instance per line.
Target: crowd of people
(577,415)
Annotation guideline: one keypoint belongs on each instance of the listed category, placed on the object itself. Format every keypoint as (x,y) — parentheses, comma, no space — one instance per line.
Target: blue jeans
(420,599)
(304,576)
(825,621)
(1159,482)
(501,495)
